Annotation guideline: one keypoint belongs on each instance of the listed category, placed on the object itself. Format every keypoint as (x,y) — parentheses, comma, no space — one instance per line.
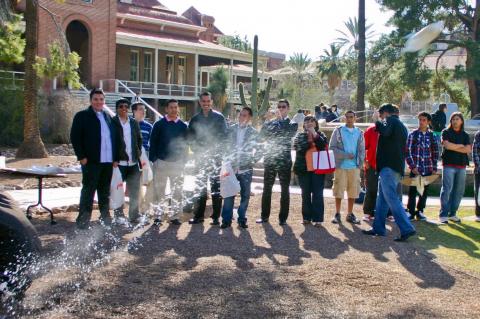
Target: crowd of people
(103,143)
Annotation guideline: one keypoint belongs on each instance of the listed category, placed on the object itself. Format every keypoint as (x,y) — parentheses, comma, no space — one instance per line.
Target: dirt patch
(265,271)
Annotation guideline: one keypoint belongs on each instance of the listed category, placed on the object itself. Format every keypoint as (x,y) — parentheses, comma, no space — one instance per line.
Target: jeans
(477,184)
(412,196)
(387,198)
(453,186)
(245,180)
(312,196)
(95,177)
(131,175)
(371,183)
(284,174)
(208,169)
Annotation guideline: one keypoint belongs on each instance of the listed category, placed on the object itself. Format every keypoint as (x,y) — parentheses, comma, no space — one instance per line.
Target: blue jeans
(245,180)
(453,186)
(312,196)
(387,198)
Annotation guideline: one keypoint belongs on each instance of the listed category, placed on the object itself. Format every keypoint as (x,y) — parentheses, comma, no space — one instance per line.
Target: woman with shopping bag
(311,145)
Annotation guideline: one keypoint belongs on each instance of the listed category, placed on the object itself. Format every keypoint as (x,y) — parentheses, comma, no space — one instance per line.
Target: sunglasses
(123,106)
(282,106)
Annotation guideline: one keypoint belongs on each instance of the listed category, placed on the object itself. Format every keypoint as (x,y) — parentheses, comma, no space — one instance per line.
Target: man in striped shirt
(138,110)
(422,158)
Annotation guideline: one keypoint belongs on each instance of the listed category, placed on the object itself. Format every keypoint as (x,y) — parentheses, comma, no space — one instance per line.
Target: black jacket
(439,121)
(301,145)
(392,144)
(245,156)
(85,136)
(136,137)
(207,134)
(277,139)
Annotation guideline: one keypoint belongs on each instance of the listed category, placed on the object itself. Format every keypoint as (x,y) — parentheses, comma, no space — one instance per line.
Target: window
(182,62)
(169,69)
(134,67)
(147,67)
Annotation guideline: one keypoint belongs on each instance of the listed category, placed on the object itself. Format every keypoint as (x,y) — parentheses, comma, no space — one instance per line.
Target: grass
(455,244)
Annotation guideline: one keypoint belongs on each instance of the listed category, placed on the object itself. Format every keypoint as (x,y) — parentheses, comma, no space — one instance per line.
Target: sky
(285,26)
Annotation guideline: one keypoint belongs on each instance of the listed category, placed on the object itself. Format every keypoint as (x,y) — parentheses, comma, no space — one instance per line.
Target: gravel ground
(266,271)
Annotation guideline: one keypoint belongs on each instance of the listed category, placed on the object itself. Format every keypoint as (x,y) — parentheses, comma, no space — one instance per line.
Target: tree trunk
(473,88)
(361,57)
(32,145)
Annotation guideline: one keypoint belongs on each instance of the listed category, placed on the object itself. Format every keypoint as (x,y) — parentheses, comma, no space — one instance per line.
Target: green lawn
(455,244)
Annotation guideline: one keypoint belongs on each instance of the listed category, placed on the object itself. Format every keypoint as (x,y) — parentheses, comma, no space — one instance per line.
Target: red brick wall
(100,20)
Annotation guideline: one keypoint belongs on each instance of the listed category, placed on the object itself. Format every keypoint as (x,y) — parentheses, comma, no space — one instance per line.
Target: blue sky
(285,26)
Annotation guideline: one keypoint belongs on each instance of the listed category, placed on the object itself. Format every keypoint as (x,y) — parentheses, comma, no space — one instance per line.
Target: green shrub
(11,116)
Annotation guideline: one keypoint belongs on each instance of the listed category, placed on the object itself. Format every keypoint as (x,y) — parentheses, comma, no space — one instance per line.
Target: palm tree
(349,39)
(361,56)
(299,62)
(218,88)
(329,67)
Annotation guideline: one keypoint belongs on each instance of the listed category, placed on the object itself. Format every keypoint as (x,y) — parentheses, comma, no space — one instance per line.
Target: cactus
(262,109)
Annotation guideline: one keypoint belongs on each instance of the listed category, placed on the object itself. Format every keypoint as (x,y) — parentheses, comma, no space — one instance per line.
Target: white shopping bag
(117,192)
(323,162)
(147,173)
(229,184)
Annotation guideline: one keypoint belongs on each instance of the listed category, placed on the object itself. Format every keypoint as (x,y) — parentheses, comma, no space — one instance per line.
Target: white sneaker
(454,219)
(443,220)
(477,219)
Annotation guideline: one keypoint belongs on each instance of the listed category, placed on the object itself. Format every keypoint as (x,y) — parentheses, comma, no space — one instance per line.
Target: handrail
(157,114)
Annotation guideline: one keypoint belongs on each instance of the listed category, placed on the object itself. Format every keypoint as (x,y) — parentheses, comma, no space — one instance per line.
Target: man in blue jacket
(94,142)
(207,132)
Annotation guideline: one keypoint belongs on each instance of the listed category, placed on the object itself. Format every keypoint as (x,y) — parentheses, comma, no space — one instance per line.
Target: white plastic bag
(229,184)
(117,192)
(147,173)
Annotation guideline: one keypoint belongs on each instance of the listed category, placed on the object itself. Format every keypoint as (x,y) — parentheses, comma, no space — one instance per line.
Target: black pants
(131,176)
(284,175)
(477,184)
(208,170)
(95,177)
(371,185)
(412,196)
(312,196)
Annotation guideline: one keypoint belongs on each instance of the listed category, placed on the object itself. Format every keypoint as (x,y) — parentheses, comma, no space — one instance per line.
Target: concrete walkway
(57,197)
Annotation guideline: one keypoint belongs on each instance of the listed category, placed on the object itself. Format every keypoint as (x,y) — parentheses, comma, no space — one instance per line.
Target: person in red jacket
(371,177)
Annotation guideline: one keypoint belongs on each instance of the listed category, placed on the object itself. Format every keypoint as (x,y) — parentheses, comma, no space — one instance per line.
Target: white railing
(14,78)
(119,84)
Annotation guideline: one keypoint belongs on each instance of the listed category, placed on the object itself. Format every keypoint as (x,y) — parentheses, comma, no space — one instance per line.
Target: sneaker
(351,218)
(317,224)
(477,219)
(175,222)
(391,219)
(306,222)
(194,221)
(262,220)
(157,222)
(454,219)
(443,220)
(225,225)
(243,225)
(214,222)
(421,216)
(336,219)
(410,216)
(367,218)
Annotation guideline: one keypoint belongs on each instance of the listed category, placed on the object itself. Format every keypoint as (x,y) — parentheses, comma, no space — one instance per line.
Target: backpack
(436,125)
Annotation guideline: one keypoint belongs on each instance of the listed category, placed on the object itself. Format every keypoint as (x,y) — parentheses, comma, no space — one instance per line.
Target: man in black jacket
(94,142)
(277,137)
(207,131)
(129,149)
(391,151)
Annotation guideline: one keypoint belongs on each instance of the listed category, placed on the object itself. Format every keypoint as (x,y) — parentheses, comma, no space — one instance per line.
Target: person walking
(390,167)
(311,184)
(277,136)
(456,146)
(207,132)
(130,150)
(348,146)
(168,153)
(244,152)
(94,142)
(422,158)
(476,162)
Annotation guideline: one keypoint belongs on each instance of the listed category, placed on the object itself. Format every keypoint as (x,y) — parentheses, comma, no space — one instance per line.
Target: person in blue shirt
(348,146)
(138,109)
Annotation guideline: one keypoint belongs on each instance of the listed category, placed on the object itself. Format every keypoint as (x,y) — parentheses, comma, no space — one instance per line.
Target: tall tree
(461,18)
(330,68)
(32,145)
(361,57)
(299,63)
(349,38)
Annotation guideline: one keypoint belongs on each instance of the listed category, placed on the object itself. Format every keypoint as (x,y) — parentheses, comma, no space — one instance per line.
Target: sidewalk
(57,197)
